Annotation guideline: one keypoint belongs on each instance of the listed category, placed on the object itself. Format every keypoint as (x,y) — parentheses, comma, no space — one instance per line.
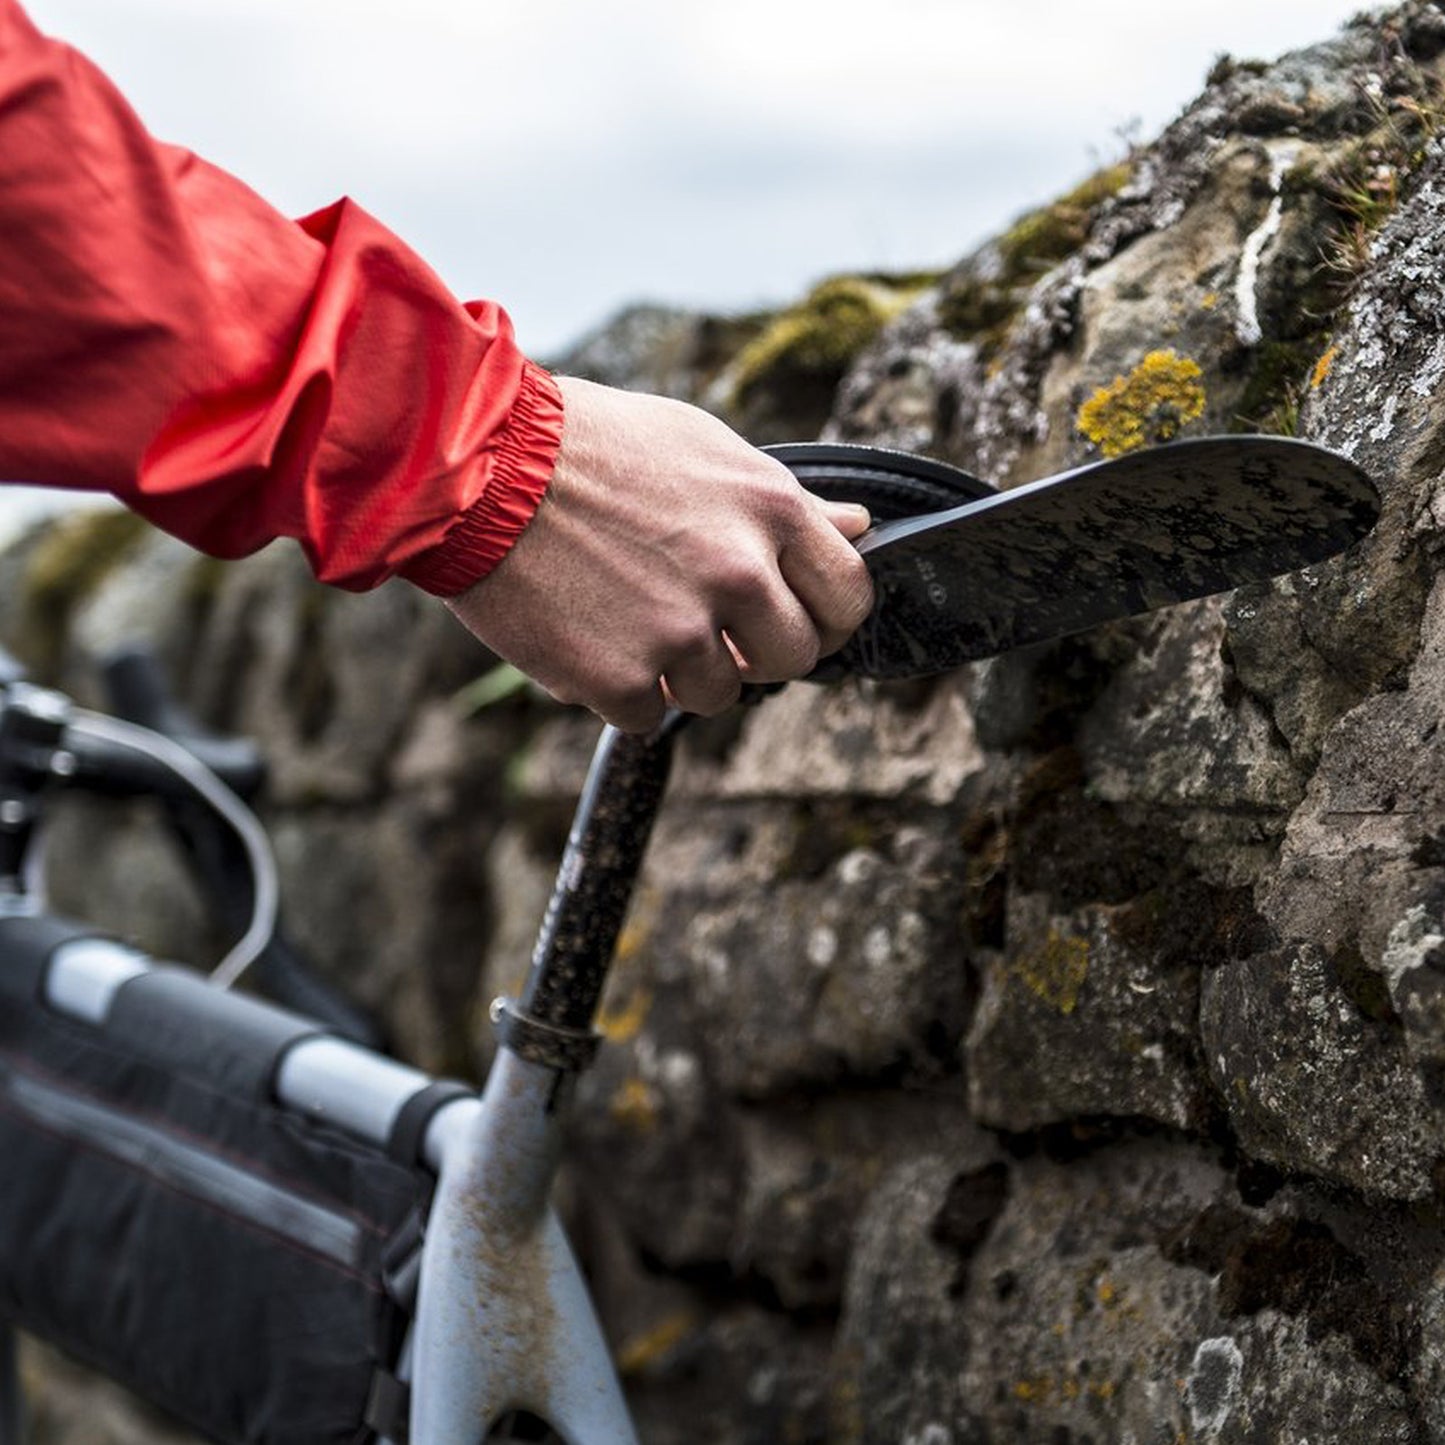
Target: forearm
(167,336)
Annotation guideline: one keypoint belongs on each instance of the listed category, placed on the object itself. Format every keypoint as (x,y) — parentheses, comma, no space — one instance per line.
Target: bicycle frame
(503,1320)
(519,1301)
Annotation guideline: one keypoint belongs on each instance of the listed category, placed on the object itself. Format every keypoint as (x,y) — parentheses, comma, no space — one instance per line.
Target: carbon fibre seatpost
(552,1021)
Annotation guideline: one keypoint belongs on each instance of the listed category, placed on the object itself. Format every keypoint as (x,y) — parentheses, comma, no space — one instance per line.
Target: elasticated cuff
(521,468)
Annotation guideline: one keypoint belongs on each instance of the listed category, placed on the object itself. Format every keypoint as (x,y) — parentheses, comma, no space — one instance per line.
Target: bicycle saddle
(891,484)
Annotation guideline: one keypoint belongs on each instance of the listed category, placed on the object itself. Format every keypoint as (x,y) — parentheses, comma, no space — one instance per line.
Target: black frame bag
(164,1221)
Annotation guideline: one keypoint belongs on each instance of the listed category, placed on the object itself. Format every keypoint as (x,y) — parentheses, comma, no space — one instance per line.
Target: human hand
(668,559)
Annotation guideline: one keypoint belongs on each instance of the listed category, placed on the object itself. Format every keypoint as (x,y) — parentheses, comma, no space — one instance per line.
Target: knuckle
(634,722)
(787,500)
(742,576)
(800,659)
(629,693)
(686,637)
(794,654)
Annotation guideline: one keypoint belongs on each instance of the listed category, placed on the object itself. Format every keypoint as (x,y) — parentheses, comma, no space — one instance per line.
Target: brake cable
(265,901)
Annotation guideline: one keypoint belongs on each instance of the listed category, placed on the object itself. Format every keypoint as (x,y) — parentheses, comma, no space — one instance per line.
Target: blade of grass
(492,687)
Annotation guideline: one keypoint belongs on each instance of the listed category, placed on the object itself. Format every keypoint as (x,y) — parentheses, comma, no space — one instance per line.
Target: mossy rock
(1044,237)
(786,375)
(980,306)
(69,559)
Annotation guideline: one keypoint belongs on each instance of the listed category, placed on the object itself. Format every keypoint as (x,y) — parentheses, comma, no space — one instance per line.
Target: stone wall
(1053,1051)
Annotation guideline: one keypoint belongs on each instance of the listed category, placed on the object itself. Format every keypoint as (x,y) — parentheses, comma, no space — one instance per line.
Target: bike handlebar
(153,748)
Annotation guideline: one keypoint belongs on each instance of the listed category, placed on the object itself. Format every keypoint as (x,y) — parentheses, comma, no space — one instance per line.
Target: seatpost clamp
(554,1047)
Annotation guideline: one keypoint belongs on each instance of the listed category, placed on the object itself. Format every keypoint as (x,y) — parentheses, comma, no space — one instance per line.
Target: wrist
(519,469)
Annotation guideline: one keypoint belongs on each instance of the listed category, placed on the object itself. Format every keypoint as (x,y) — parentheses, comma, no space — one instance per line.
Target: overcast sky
(566,157)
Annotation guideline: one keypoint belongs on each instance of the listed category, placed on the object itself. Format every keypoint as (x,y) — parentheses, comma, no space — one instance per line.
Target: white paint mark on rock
(1246,281)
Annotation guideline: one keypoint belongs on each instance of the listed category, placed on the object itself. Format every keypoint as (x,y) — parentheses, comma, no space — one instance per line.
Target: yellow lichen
(1209,301)
(1152,404)
(1322,367)
(1056,972)
(634,935)
(652,1344)
(1034,1390)
(620,1022)
(635,1106)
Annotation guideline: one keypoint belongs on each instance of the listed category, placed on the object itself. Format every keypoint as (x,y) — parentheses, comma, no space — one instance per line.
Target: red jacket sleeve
(233,375)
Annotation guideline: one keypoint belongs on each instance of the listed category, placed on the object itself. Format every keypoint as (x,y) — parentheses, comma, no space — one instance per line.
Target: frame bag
(164,1221)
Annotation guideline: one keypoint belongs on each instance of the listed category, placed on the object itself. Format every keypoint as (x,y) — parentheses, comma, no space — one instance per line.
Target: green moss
(73,557)
(1272,393)
(1364,185)
(310,683)
(720,339)
(1048,235)
(978,310)
(1308,287)
(975,308)
(814,342)
(78,552)
(822,832)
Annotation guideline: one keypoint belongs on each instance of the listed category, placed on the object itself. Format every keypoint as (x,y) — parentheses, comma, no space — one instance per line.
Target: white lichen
(1381,430)
(858,868)
(877,947)
(1213,1385)
(822,946)
(930,1434)
(1412,940)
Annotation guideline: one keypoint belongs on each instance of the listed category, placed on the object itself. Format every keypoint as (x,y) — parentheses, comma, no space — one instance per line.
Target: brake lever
(137,689)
